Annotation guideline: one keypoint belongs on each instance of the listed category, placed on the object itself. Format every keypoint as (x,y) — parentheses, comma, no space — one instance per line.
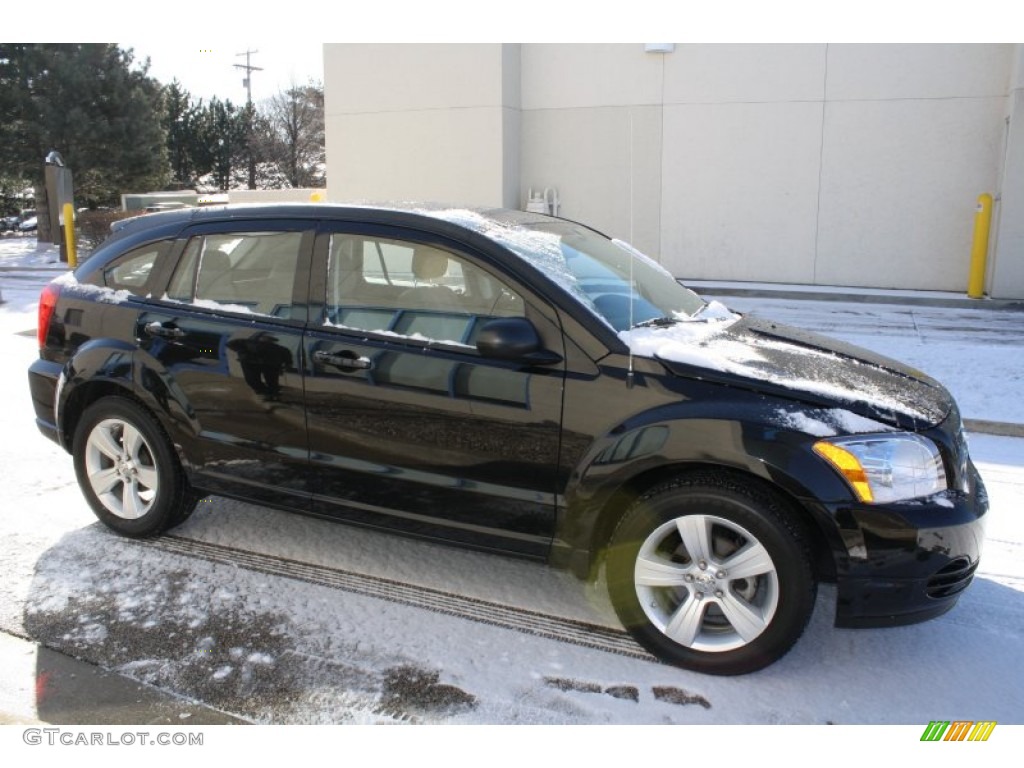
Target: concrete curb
(40,685)
(809,294)
(1002,428)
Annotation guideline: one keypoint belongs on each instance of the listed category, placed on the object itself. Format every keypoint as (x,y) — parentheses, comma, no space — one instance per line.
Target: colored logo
(958,730)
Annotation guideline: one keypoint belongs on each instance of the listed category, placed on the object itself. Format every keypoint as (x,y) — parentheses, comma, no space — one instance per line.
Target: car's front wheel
(710,573)
(127,469)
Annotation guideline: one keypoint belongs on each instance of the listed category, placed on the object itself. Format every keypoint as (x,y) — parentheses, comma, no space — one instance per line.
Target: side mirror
(514,338)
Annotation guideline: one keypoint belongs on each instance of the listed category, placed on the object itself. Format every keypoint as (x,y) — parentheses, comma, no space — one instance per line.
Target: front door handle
(166,331)
(348,360)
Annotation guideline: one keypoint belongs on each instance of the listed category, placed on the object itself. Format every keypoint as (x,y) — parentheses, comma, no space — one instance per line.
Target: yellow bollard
(69,234)
(979,249)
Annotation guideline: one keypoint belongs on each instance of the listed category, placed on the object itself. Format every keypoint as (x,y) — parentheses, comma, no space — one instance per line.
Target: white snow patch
(716,310)
(211,304)
(223,672)
(801,422)
(98,292)
(855,424)
(684,342)
(701,343)
(828,422)
(393,334)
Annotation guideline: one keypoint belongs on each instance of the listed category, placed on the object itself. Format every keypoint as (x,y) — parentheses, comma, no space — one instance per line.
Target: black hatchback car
(517,383)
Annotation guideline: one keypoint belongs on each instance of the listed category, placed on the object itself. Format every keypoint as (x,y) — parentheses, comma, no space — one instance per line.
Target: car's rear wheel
(127,469)
(709,572)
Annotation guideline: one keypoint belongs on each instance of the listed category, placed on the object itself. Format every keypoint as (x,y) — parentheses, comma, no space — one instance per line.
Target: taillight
(47,303)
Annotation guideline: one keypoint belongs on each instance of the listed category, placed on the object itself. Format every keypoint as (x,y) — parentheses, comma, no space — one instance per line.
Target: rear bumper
(910,562)
(43,376)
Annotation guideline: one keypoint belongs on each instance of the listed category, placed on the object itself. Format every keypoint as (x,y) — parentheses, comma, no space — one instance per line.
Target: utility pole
(247,82)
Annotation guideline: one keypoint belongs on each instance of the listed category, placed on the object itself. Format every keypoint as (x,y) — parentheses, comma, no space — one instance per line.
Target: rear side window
(131,271)
(244,272)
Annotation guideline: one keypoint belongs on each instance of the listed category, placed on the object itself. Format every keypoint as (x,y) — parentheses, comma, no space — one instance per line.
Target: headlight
(886,468)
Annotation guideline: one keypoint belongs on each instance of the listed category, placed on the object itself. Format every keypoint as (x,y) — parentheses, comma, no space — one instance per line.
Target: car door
(409,426)
(226,336)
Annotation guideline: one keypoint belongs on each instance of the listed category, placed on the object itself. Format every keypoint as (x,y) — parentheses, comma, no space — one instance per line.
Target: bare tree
(296,122)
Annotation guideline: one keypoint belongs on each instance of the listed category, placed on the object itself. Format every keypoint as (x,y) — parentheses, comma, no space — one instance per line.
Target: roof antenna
(632,288)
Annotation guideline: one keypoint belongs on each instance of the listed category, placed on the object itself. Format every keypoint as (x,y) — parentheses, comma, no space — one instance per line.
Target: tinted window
(130,271)
(412,289)
(248,272)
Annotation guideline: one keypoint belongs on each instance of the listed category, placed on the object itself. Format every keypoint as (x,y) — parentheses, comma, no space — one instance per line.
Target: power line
(249,69)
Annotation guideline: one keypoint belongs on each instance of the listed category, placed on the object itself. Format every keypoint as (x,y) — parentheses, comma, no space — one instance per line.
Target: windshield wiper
(657,322)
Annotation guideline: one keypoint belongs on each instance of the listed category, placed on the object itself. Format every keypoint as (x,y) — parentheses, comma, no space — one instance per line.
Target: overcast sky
(207,69)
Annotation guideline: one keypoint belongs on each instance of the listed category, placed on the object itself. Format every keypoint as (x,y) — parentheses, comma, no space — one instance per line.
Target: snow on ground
(284,650)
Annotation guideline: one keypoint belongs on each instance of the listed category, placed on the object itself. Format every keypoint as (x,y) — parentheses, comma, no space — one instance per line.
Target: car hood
(780,360)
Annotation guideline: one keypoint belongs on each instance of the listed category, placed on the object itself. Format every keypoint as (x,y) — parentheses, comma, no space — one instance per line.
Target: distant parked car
(518,383)
(28,225)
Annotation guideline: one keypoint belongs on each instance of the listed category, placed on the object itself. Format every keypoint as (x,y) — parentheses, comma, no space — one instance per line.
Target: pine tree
(182,121)
(89,103)
(221,141)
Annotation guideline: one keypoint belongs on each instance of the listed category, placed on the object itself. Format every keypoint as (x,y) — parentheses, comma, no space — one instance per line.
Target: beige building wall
(913,134)
(1007,262)
(289,195)
(422,122)
(854,165)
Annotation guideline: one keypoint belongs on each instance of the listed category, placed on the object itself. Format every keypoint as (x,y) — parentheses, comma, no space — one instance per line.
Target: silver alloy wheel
(121,469)
(706,583)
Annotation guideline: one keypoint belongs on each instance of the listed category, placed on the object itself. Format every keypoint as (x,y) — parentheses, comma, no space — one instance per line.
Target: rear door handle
(165,331)
(347,360)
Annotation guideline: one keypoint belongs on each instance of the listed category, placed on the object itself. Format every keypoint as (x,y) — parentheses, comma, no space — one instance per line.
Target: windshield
(595,270)
(614,280)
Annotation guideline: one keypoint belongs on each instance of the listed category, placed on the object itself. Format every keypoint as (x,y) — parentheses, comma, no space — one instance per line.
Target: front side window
(246,272)
(412,289)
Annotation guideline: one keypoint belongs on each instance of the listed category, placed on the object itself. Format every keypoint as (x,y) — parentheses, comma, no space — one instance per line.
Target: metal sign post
(59,193)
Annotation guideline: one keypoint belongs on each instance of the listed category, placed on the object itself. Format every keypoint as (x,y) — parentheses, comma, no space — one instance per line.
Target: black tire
(687,608)
(128,471)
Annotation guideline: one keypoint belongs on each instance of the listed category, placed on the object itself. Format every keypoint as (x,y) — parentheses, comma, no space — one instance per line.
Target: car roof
(400,211)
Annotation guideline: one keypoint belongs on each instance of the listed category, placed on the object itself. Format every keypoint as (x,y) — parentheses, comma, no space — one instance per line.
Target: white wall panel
(740,190)
(900,180)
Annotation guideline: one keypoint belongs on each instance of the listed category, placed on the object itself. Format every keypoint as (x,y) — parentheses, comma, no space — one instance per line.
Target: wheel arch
(149,465)
(91,375)
(619,499)
(77,399)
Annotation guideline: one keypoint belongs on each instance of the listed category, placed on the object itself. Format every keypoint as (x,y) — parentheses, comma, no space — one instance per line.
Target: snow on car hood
(786,361)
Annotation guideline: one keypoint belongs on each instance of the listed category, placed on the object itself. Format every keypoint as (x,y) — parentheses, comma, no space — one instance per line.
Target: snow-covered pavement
(285,619)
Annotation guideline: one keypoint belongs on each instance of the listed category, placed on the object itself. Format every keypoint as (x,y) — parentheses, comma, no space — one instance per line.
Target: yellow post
(979,249)
(69,234)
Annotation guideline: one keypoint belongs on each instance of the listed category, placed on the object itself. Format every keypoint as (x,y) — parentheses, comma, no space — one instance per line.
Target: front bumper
(911,561)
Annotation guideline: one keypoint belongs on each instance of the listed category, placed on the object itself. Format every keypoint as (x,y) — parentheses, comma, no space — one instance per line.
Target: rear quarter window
(132,271)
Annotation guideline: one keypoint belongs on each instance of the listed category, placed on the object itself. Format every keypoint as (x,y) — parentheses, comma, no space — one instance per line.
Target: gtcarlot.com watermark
(74,738)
